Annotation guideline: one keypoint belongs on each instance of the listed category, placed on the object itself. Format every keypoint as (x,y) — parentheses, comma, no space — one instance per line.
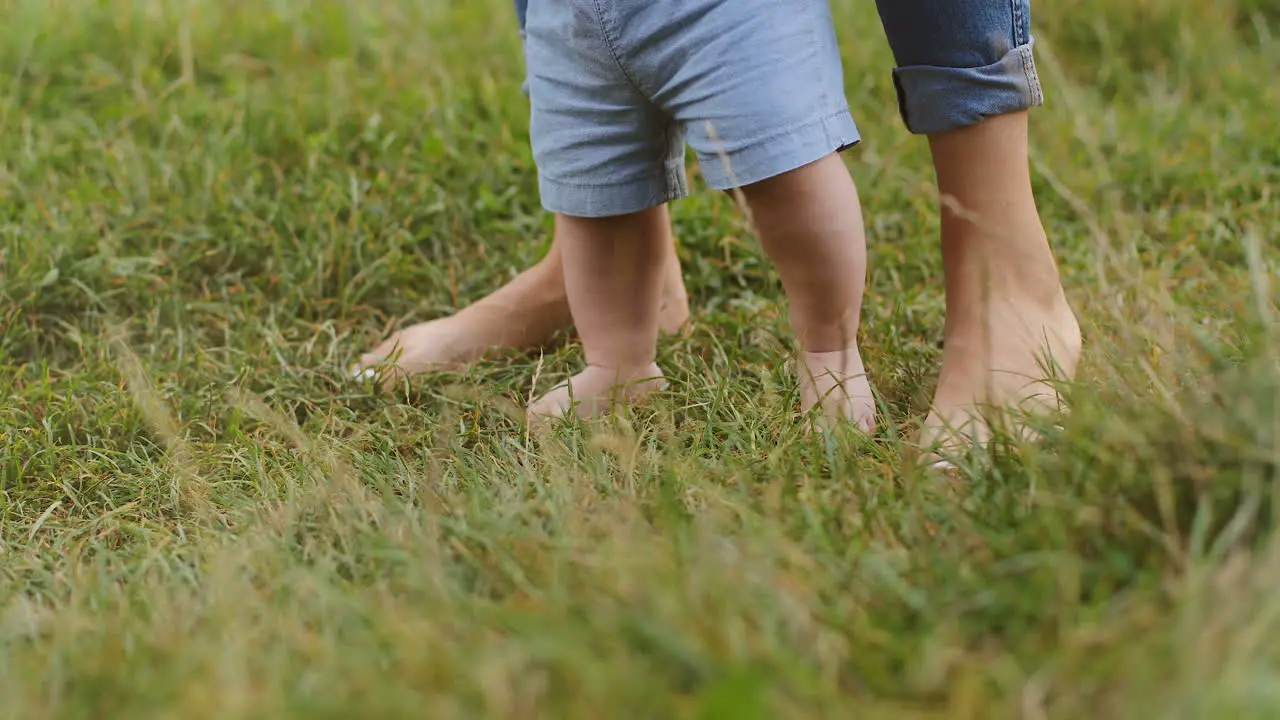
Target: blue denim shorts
(959,61)
(618,87)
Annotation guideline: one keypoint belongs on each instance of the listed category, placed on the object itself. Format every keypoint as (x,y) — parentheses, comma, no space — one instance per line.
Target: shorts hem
(780,152)
(934,99)
(594,201)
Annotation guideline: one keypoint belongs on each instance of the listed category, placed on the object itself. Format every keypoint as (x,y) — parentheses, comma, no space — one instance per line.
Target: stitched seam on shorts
(610,41)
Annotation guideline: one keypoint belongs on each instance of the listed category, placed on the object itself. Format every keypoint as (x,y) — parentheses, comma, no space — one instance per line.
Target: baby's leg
(608,161)
(810,223)
(759,88)
(613,277)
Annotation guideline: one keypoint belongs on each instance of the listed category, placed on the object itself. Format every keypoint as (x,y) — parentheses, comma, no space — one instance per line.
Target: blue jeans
(959,61)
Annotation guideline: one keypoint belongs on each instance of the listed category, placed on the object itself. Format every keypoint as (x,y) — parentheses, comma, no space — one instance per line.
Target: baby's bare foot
(594,390)
(838,381)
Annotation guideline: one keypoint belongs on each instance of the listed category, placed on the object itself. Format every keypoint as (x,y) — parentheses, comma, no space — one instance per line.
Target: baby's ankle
(830,342)
(624,358)
(828,332)
(623,373)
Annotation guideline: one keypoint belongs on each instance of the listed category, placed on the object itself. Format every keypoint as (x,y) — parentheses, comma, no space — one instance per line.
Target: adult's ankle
(1018,267)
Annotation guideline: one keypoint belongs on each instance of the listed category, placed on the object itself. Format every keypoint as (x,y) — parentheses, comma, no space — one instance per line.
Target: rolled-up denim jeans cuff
(938,99)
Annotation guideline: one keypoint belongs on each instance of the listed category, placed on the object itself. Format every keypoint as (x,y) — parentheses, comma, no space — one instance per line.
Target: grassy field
(208,208)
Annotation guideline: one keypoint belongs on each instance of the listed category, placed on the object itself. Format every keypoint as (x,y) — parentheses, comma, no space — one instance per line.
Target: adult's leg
(966,79)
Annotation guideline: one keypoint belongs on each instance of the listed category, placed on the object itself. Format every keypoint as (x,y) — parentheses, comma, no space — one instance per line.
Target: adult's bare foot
(525,313)
(1006,358)
(1010,332)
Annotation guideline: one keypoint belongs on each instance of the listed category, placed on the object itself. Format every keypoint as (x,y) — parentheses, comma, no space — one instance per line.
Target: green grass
(208,208)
